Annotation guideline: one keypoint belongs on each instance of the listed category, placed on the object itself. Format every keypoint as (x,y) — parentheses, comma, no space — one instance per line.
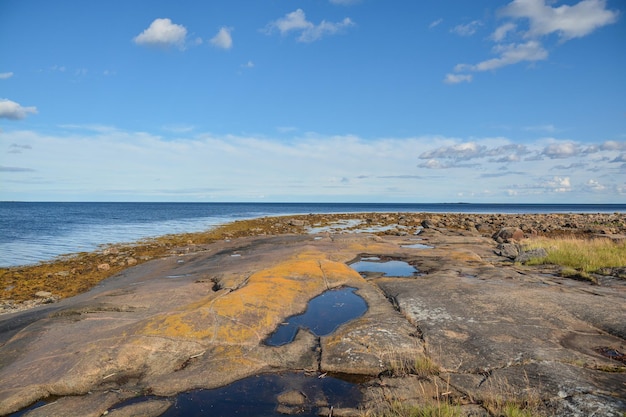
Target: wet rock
(295,222)
(152,408)
(293,397)
(289,410)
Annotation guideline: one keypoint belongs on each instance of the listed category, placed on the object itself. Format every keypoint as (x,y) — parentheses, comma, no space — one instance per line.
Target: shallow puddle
(259,396)
(417,246)
(323,315)
(387,268)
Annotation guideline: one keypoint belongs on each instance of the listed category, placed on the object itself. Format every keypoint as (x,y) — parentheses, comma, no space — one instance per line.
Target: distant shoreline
(72,274)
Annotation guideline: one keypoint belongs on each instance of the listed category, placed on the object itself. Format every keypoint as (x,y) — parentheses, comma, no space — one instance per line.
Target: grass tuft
(412,364)
(400,409)
(579,257)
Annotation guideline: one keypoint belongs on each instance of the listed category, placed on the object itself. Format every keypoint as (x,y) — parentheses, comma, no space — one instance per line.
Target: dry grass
(418,365)
(580,256)
(503,399)
(400,409)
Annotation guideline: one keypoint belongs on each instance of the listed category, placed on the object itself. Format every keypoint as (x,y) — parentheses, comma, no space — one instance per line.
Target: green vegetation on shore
(580,257)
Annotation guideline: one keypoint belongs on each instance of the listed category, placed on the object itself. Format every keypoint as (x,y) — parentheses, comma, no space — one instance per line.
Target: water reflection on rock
(323,315)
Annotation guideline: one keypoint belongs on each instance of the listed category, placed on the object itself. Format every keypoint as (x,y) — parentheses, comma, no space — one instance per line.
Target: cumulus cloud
(524,43)
(162,33)
(593,185)
(309,32)
(223,39)
(612,145)
(561,150)
(5,75)
(14,111)
(467,29)
(567,21)
(462,151)
(558,184)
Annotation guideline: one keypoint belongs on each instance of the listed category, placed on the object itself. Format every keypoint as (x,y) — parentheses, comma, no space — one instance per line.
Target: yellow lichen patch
(338,273)
(465,255)
(249,314)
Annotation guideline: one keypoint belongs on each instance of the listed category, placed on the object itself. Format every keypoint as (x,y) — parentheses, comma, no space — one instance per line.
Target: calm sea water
(33,232)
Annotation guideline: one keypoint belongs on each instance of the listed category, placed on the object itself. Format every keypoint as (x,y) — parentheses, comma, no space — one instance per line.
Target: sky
(430,101)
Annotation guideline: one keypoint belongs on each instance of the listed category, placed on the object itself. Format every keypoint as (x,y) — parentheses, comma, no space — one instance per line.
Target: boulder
(508,250)
(104,267)
(43,294)
(526,256)
(427,224)
(506,234)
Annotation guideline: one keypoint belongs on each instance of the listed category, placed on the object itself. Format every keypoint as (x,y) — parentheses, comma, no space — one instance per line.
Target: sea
(31,232)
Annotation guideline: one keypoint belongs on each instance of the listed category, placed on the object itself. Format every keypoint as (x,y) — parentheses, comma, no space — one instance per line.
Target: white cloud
(223,39)
(562,150)
(557,184)
(5,75)
(594,185)
(506,158)
(296,22)
(467,29)
(620,158)
(162,33)
(433,164)
(509,54)
(502,31)
(321,167)
(458,78)
(292,21)
(567,21)
(613,145)
(461,151)
(435,23)
(14,111)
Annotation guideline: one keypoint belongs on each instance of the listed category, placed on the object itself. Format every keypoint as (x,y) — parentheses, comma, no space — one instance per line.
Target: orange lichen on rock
(249,314)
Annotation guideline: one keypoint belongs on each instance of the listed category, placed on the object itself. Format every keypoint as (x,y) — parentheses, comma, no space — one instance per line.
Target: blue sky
(514,101)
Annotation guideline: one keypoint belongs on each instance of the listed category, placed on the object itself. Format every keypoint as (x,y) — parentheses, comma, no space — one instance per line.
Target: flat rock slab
(199,321)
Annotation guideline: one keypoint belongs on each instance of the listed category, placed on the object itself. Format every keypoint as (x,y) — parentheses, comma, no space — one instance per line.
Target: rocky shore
(471,327)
